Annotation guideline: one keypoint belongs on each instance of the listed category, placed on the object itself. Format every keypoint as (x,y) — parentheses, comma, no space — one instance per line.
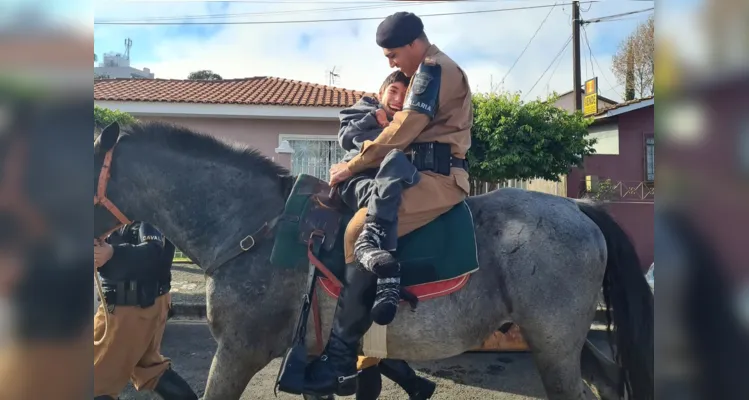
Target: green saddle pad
(443,249)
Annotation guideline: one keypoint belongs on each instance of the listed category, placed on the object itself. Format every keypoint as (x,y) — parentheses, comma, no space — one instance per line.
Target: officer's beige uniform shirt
(435,194)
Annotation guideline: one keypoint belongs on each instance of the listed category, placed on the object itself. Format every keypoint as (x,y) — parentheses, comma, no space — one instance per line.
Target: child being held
(378,189)
(365,120)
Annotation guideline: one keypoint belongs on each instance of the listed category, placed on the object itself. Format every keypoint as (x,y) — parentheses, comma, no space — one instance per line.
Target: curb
(186,310)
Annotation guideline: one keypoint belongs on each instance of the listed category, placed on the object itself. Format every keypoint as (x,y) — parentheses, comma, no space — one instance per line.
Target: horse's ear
(109,136)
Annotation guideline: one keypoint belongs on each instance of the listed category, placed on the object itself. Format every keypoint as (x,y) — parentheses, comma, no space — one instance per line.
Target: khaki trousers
(131,349)
(364,362)
(433,196)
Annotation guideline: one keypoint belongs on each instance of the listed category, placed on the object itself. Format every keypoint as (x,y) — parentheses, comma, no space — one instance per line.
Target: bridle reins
(100,199)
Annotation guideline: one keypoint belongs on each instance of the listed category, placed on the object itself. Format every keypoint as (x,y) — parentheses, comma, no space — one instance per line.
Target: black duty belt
(435,157)
(134,293)
(461,163)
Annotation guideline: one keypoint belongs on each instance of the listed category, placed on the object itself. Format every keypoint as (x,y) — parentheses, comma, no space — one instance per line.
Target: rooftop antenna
(128,45)
(333,77)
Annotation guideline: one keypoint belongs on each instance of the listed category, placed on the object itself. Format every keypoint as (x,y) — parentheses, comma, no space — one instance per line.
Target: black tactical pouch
(125,294)
(134,293)
(435,157)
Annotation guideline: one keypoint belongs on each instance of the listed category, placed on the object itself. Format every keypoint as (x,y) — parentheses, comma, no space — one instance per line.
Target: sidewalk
(188,291)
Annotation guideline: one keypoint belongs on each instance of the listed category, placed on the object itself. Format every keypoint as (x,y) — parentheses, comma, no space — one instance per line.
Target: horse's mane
(200,145)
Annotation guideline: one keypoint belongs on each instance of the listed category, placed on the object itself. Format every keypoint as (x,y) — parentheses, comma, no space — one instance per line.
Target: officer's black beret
(399,30)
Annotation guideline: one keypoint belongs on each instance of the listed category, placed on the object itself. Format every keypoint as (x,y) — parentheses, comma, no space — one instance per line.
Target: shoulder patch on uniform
(421,82)
(423,94)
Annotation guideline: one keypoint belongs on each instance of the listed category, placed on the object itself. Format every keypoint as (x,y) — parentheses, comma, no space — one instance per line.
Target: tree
(516,140)
(105,116)
(634,62)
(205,74)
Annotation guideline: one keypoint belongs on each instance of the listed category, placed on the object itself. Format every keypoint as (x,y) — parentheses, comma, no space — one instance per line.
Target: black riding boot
(171,386)
(400,372)
(371,249)
(334,372)
(369,384)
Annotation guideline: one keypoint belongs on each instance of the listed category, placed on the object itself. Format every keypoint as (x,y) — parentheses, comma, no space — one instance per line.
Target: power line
(321,20)
(402,2)
(279,12)
(612,17)
(527,45)
(593,57)
(553,71)
(291,2)
(550,64)
(590,52)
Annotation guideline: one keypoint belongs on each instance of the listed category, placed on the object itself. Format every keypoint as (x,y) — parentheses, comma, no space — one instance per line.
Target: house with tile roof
(293,122)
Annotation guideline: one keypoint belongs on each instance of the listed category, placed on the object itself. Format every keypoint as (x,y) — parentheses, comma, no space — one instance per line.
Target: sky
(485,45)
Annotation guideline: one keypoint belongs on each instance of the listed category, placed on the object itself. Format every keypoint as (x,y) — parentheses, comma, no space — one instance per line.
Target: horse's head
(107,217)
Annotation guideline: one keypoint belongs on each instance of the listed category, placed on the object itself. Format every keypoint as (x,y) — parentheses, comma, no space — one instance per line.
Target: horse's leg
(231,371)
(599,370)
(369,384)
(557,355)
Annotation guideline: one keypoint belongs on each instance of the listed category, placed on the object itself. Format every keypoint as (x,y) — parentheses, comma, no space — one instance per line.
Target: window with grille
(314,156)
(650,159)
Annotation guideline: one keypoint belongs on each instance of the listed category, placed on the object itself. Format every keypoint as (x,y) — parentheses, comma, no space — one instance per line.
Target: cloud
(484,45)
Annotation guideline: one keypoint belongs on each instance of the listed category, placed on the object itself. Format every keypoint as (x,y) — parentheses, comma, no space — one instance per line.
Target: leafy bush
(516,140)
(105,116)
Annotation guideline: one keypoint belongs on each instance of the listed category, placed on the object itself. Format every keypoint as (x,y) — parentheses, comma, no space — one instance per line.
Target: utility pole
(576,55)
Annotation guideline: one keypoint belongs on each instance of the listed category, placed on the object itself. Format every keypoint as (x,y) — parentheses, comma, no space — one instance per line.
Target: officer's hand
(337,167)
(102,253)
(382,117)
(339,173)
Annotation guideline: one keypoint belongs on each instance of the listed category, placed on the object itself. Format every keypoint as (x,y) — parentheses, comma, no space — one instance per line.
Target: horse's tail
(626,291)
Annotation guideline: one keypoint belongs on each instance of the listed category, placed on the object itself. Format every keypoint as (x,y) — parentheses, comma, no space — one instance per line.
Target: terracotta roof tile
(260,90)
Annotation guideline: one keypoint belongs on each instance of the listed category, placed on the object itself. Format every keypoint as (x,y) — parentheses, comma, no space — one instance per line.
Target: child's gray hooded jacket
(358,123)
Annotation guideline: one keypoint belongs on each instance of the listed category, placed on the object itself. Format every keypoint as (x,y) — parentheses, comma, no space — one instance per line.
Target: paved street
(508,376)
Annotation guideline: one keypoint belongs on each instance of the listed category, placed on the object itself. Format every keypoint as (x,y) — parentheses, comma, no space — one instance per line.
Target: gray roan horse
(544,260)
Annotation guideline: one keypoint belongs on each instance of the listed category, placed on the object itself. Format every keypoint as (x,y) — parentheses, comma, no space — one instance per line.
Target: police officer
(434,127)
(135,266)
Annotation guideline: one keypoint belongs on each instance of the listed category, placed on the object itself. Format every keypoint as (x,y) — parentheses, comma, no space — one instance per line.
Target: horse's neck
(203,208)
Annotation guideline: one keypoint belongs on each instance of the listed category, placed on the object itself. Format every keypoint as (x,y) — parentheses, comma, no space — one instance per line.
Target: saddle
(314,221)
(436,259)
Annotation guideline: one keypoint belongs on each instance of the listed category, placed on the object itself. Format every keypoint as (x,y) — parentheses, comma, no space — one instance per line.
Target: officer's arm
(141,256)
(418,110)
